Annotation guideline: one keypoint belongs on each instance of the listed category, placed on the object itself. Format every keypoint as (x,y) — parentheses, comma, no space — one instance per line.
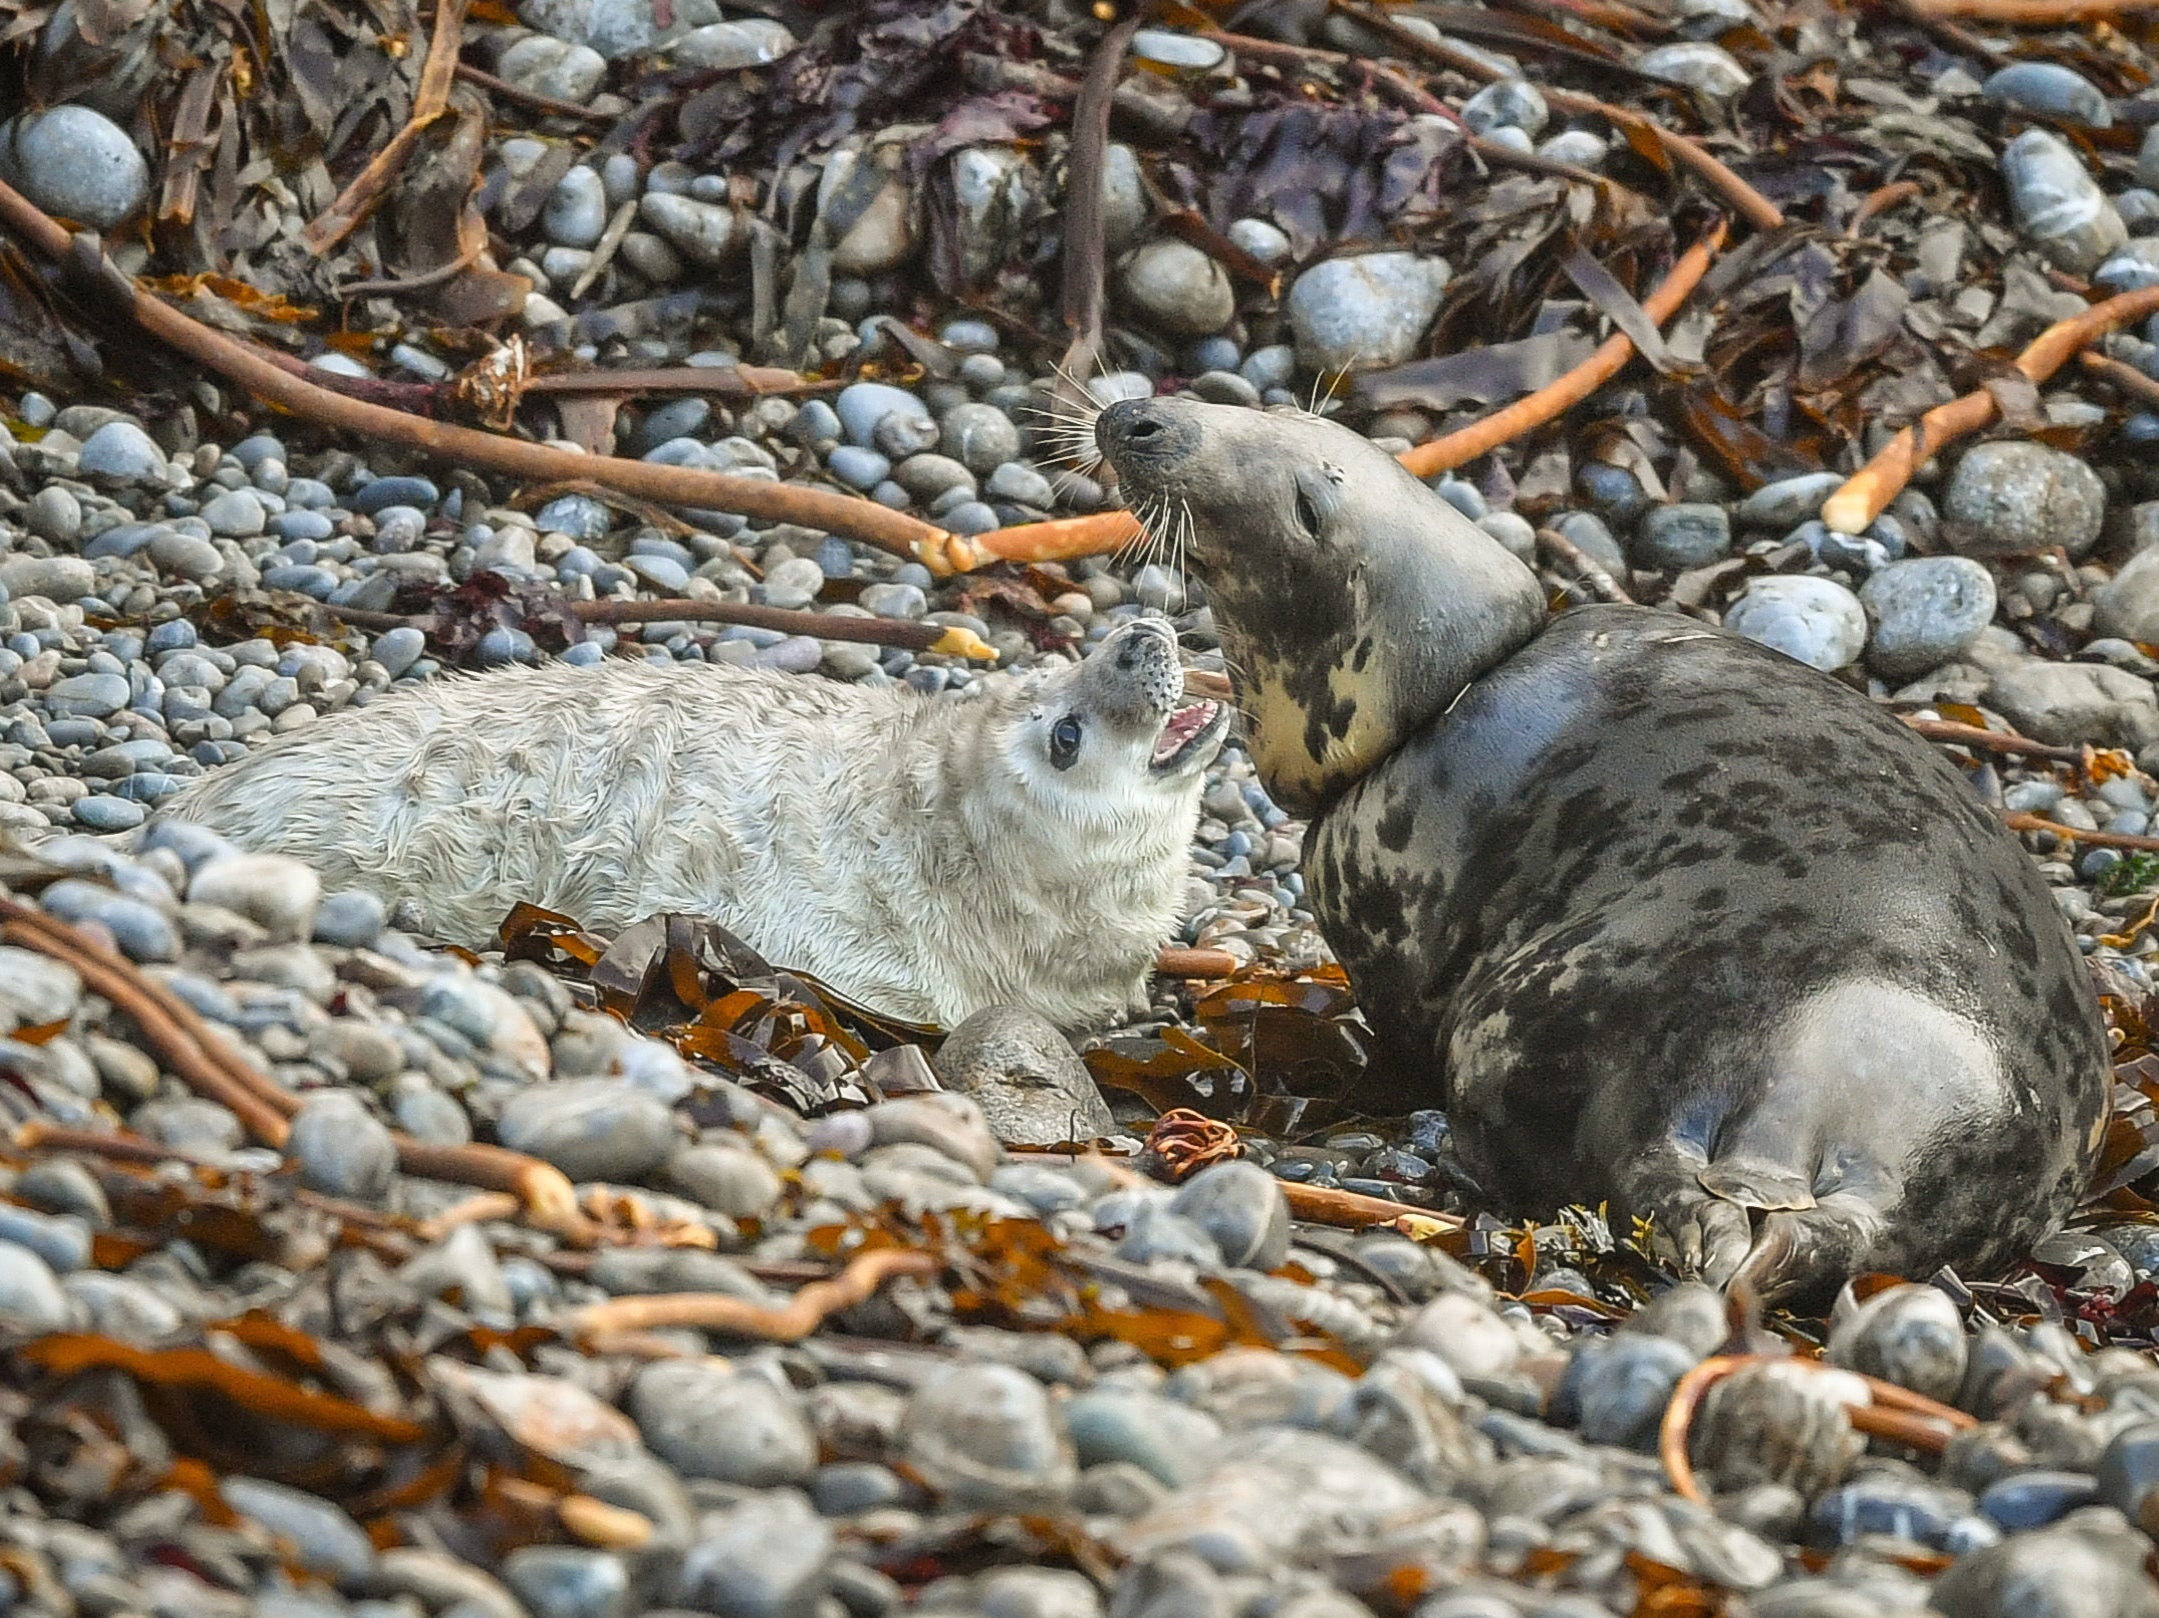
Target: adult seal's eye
(1064,742)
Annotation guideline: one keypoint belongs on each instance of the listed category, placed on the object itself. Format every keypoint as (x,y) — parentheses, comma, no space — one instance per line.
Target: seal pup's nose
(1128,424)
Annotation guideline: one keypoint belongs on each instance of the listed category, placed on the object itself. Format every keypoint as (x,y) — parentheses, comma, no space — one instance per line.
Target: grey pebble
(31,1301)
(1242,1207)
(987,1436)
(1815,620)
(75,162)
(277,893)
(2013,496)
(1925,612)
(710,1421)
(1364,312)
(323,1538)
(591,1129)
(1031,1085)
(769,1557)
(341,1148)
(1682,536)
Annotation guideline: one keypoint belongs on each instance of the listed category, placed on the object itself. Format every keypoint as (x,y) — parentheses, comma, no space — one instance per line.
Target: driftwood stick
(2121,378)
(431,101)
(2034,13)
(788,1323)
(1586,568)
(1867,493)
(2019,820)
(488,452)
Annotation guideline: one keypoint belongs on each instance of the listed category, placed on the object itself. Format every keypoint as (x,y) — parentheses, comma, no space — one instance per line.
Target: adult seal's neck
(1354,604)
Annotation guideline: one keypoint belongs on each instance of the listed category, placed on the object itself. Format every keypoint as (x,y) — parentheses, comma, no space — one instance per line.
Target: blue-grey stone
(662,573)
(77,163)
(398,649)
(341,1148)
(568,1581)
(61,1240)
(864,406)
(578,515)
(1682,536)
(371,498)
(591,1129)
(351,918)
(2033,1499)
(302,525)
(141,931)
(91,695)
(2049,88)
(857,467)
(104,812)
(321,1537)
(31,1302)
(311,581)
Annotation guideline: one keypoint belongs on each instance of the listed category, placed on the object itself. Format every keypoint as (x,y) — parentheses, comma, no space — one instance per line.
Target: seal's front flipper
(1810,1251)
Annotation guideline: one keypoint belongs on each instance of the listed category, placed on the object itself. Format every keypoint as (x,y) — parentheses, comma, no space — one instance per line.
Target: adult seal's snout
(1660,916)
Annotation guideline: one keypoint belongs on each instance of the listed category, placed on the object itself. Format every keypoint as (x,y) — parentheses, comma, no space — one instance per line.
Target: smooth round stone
(236,514)
(591,1129)
(863,407)
(2051,89)
(1366,312)
(1817,621)
(1507,104)
(351,918)
(1618,1387)
(1015,483)
(568,1581)
(77,163)
(276,893)
(1682,536)
(857,467)
(726,1178)
(142,933)
(1576,146)
(1471,1338)
(341,1148)
(1241,1206)
(929,478)
(2057,204)
(31,1299)
(122,451)
(987,1437)
(2128,1473)
(2013,496)
(1167,1439)
(121,1307)
(1260,239)
(796,654)
(662,573)
(979,436)
(1699,66)
(189,556)
(93,696)
(2127,606)
(1925,612)
(1616,493)
(323,1538)
(973,517)
(2034,1499)
(61,1240)
(729,46)
(398,649)
(1182,53)
(58,578)
(1176,287)
(2132,268)
(1783,505)
(709,1421)
(1592,538)
(54,515)
(576,211)
(581,517)
(1909,1335)
(103,812)
(1274,366)
(703,232)
(1903,1508)
(794,583)
(559,68)
(1031,1085)
(766,1558)
(889,600)
(379,494)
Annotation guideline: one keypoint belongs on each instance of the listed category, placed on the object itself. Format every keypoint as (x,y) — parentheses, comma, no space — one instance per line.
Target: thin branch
(713,1311)
(1896,1413)
(2034,13)
(488,452)
(1195,963)
(1353,1210)
(1867,494)
(530,98)
(2020,820)
(1586,568)
(1084,232)
(2121,378)
(429,103)
(1458,448)
(1996,741)
(1741,197)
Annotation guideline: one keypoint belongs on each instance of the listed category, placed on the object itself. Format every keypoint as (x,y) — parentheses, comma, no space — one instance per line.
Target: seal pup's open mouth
(1186,732)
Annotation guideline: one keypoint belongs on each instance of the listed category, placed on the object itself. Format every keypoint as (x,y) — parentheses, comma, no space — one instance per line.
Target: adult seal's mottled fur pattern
(1027,846)
(1660,916)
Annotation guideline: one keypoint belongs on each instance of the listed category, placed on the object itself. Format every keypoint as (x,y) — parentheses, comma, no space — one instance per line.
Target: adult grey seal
(928,858)
(1658,915)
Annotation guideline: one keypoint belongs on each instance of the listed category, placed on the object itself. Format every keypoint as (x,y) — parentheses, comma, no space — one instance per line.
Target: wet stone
(1682,536)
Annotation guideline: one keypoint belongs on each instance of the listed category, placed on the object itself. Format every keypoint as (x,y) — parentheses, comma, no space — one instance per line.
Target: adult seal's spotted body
(1660,916)
(1024,846)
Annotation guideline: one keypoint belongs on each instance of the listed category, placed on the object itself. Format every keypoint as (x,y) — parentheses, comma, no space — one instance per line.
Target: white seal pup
(926,857)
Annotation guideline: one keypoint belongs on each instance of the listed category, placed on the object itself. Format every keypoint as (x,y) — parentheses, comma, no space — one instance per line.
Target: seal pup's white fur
(925,857)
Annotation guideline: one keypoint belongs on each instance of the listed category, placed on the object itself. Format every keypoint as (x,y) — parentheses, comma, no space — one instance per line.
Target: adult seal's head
(1353,605)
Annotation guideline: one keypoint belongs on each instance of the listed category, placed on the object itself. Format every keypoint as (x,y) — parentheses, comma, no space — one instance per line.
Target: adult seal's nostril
(1129,424)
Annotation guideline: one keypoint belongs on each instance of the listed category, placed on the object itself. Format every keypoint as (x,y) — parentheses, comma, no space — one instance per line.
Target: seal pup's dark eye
(1064,742)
